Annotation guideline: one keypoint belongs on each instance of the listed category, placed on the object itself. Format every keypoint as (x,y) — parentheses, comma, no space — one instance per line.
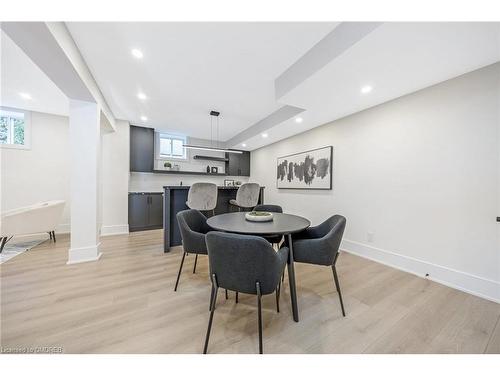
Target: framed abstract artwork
(306,170)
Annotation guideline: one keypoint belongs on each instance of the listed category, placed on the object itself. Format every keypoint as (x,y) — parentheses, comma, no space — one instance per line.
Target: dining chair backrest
(193,227)
(321,243)
(335,230)
(269,208)
(202,196)
(239,261)
(248,195)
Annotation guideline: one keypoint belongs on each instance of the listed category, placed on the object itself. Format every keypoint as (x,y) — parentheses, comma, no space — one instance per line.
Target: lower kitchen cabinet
(145,211)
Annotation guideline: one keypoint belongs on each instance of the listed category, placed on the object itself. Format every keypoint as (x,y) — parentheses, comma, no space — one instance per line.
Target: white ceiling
(395,59)
(189,69)
(20,75)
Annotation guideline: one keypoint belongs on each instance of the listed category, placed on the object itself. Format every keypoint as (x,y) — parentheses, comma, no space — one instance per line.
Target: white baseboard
(106,230)
(83,254)
(476,285)
(63,228)
(112,230)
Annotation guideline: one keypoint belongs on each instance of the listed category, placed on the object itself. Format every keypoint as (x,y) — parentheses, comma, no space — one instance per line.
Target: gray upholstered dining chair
(246,264)
(320,245)
(275,239)
(269,208)
(247,196)
(193,227)
(202,196)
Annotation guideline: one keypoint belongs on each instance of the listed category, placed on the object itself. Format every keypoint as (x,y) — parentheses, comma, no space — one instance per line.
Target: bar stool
(247,196)
(202,196)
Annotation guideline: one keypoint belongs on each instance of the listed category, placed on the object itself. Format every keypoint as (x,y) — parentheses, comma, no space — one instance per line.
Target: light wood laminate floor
(125,303)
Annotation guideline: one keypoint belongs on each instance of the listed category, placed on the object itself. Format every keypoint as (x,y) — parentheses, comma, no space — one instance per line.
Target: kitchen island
(174,200)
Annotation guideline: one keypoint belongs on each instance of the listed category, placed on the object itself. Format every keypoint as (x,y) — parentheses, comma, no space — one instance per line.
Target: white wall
(421,173)
(115,179)
(42,172)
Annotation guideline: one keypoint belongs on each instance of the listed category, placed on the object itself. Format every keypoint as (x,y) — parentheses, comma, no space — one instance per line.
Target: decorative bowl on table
(259,216)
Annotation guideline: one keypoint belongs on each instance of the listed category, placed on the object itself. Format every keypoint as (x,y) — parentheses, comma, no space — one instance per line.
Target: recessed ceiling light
(298,120)
(144,118)
(243,145)
(141,96)
(366,89)
(25,95)
(264,135)
(137,53)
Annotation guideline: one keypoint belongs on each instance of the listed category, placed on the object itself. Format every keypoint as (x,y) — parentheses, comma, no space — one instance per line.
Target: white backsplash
(154,182)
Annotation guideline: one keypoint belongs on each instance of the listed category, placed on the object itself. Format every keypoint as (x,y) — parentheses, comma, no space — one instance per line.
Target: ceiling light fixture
(213,115)
(137,53)
(144,118)
(25,95)
(298,120)
(264,135)
(142,96)
(243,145)
(366,89)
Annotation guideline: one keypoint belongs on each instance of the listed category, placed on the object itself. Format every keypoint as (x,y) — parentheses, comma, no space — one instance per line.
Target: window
(170,146)
(14,128)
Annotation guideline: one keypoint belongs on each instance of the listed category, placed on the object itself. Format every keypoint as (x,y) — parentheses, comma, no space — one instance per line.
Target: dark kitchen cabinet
(142,142)
(156,210)
(145,211)
(238,164)
(245,164)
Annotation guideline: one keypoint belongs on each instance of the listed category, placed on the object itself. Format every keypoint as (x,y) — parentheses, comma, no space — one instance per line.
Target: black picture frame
(214,170)
(305,187)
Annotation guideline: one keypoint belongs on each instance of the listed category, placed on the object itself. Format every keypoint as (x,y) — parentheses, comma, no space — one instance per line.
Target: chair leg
(278,290)
(337,285)
(213,302)
(54,236)
(211,297)
(195,261)
(236,297)
(50,235)
(179,274)
(3,241)
(226,295)
(259,312)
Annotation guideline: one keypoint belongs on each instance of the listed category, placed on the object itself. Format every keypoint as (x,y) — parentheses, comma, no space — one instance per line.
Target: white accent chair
(38,218)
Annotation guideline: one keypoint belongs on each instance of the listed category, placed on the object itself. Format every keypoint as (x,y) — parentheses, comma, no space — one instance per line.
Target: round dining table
(282,224)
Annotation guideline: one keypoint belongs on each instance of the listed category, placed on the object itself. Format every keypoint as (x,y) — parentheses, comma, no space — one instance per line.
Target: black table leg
(291,281)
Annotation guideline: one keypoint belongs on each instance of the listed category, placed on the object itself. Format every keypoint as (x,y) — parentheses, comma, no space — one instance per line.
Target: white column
(84,125)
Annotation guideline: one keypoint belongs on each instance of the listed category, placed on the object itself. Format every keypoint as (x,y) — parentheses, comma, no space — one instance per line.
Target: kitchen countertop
(145,192)
(171,187)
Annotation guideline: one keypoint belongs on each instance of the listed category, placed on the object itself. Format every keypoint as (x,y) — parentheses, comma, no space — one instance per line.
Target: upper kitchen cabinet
(142,141)
(238,164)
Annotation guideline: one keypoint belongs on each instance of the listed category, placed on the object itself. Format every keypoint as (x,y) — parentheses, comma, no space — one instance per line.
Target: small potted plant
(168,166)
